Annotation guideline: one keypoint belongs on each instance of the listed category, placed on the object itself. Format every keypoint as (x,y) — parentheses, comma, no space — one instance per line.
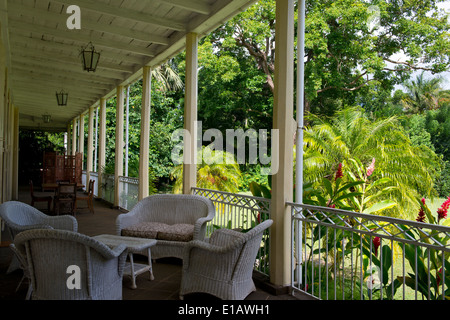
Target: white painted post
(190,114)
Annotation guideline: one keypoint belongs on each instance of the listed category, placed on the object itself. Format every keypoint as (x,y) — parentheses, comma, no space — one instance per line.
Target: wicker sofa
(173,220)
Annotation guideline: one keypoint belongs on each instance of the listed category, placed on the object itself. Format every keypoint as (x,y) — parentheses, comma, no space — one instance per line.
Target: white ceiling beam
(75,61)
(79,36)
(86,24)
(75,98)
(62,67)
(125,13)
(51,88)
(95,76)
(67,49)
(196,6)
(25,74)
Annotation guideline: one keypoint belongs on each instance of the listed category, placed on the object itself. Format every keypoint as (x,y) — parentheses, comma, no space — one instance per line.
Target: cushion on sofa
(177,232)
(160,231)
(144,230)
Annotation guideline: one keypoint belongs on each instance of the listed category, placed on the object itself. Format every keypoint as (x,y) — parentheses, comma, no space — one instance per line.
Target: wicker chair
(51,255)
(19,216)
(172,219)
(222,267)
(26,271)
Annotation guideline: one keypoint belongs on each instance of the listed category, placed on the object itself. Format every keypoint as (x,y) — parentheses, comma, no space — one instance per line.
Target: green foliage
(218,170)
(424,94)
(350,136)
(427,267)
(347,57)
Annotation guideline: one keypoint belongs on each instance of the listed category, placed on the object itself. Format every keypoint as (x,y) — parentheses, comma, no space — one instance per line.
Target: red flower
(329,205)
(371,168)
(376,243)
(339,172)
(421,217)
(442,211)
(438,277)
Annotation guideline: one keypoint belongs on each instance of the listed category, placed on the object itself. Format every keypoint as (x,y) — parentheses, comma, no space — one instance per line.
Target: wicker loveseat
(173,220)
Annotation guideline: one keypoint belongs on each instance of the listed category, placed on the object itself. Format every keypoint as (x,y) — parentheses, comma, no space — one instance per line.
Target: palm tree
(351,136)
(424,94)
(218,170)
(167,77)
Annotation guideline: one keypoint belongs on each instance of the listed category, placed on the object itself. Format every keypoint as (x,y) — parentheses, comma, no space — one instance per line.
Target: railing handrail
(419,226)
(133,180)
(233,194)
(373,217)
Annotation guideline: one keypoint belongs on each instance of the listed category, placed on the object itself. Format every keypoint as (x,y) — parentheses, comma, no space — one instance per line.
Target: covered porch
(39,55)
(167,272)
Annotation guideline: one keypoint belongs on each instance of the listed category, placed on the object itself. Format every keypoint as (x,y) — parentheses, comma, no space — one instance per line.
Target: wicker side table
(134,245)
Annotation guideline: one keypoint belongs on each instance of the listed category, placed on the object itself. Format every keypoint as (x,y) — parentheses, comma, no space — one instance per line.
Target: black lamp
(62,97)
(89,58)
(46,118)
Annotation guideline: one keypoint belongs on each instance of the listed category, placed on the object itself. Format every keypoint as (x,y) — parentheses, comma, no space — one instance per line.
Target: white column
(282,181)
(145,133)
(101,145)
(74,136)
(190,114)
(15,171)
(68,137)
(81,139)
(119,144)
(90,146)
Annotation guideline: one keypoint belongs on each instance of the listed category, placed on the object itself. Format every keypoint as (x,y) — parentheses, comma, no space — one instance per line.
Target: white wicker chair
(19,216)
(222,267)
(49,254)
(172,219)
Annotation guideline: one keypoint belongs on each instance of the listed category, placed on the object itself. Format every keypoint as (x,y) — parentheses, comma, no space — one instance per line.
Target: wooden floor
(167,272)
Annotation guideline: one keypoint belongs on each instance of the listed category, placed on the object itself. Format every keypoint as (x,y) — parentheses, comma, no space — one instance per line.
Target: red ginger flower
(376,243)
(442,211)
(421,217)
(371,168)
(438,277)
(339,173)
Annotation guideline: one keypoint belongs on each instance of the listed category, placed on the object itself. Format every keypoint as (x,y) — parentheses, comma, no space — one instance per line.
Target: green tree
(351,136)
(346,55)
(218,170)
(424,94)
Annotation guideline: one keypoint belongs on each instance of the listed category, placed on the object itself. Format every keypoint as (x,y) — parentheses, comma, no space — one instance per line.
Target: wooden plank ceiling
(43,54)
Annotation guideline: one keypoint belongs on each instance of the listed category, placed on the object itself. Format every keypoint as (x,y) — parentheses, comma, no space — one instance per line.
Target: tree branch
(409,65)
(347,89)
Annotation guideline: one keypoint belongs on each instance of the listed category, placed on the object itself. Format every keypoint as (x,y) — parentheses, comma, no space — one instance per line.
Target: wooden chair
(67,196)
(88,197)
(35,198)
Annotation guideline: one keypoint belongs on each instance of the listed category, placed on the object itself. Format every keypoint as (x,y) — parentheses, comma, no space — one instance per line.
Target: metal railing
(107,186)
(239,211)
(129,191)
(340,255)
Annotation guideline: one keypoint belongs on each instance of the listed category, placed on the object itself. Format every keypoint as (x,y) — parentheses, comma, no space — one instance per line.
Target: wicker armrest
(65,222)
